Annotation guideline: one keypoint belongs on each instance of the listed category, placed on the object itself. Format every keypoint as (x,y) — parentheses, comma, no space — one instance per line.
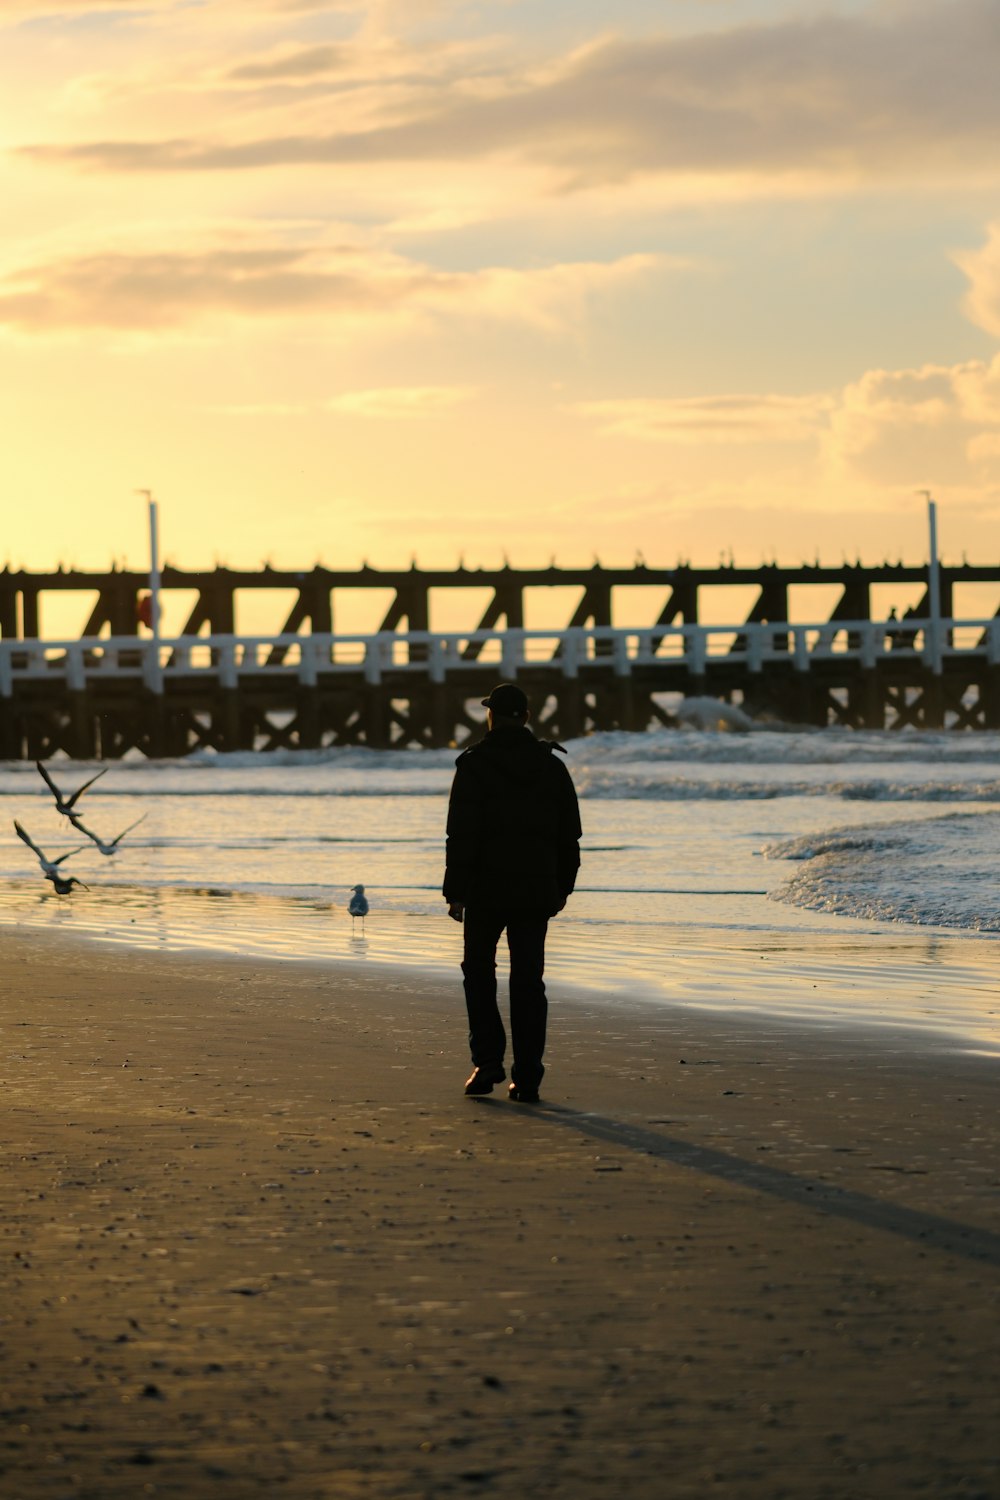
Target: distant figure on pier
(512,855)
(907,638)
(358,906)
(893,635)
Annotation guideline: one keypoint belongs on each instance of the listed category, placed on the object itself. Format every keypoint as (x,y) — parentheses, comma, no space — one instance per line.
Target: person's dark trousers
(528,1005)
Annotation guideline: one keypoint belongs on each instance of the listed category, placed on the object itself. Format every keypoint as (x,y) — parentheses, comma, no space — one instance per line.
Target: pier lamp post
(154,564)
(933,584)
(154,679)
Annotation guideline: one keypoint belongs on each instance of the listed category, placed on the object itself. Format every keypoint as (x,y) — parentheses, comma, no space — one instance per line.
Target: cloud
(712,419)
(981,303)
(145,289)
(361,80)
(985,448)
(390,403)
(401,401)
(908,90)
(363,61)
(14,11)
(18,10)
(936,425)
(295,64)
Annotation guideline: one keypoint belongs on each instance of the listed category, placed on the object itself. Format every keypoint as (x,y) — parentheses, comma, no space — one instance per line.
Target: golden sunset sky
(535,278)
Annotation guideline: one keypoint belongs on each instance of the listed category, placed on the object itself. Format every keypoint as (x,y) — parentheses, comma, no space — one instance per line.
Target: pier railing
(440,655)
(102,696)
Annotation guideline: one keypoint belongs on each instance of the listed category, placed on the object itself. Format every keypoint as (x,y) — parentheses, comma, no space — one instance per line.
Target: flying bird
(109,846)
(65,805)
(50,867)
(358,906)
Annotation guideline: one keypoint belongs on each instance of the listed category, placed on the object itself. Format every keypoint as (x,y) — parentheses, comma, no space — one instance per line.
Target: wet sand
(255,1242)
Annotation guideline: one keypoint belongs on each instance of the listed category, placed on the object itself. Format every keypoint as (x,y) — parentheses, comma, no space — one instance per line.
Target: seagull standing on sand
(110,846)
(65,805)
(50,867)
(358,906)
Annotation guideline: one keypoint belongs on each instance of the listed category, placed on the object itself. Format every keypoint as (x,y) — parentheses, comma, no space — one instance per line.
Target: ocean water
(815,875)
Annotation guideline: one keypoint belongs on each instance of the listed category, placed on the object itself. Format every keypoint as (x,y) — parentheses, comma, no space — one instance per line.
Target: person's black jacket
(513,825)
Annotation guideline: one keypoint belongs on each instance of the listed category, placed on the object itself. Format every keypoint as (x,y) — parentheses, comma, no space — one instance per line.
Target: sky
(392,279)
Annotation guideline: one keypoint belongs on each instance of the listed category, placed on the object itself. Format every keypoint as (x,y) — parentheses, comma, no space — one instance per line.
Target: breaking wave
(933,872)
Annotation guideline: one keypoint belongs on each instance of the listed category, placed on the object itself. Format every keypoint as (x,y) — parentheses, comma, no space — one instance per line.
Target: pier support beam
(377,718)
(442,729)
(156,726)
(307,719)
(933,701)
(989,692)
(569,709)
(226,722)
(872,702)
(82,739)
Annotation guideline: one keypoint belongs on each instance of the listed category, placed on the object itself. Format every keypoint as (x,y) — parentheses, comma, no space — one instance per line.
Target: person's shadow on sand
(930,1230)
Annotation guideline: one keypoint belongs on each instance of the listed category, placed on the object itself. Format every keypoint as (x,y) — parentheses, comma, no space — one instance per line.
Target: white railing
(440,655)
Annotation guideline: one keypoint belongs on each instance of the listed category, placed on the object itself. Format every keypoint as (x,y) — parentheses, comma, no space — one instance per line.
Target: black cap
(507,699)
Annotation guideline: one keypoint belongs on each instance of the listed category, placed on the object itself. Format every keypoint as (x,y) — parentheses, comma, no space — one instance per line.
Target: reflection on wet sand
(934,983)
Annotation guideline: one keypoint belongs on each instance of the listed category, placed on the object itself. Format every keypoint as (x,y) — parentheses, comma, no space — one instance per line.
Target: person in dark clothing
(513,851)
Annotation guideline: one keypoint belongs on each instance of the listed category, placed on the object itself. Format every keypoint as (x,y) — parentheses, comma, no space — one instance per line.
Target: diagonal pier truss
(115,689)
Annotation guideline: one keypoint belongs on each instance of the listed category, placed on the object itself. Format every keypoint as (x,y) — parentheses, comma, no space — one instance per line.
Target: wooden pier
(106,694)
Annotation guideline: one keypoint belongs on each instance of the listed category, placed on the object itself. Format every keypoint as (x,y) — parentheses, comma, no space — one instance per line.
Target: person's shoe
(522,1094)
(482,1081)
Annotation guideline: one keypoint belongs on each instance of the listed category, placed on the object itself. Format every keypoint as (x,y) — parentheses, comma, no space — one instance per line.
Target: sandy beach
(256,1242)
